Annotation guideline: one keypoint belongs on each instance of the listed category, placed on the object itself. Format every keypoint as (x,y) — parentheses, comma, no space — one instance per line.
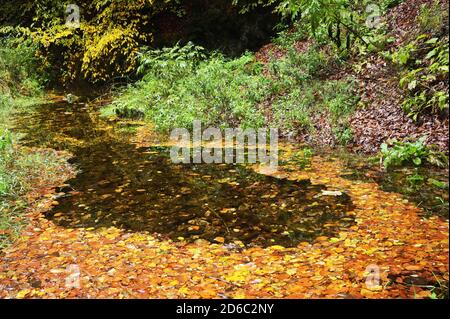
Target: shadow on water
(139,189)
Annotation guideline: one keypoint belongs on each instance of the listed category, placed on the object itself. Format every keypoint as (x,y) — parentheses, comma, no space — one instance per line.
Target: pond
(139,189)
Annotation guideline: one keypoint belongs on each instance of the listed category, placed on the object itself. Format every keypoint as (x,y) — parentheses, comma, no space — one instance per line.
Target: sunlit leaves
(114,263)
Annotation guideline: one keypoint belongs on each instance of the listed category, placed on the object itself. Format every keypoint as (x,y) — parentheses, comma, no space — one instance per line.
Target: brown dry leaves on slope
(378,85)
(383,117)
(112,263)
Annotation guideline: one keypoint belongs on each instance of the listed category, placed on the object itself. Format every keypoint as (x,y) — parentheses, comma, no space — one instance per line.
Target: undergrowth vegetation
(425,70)
(21,169)
(396,153)
(19,68)
(178,88)
(424,64)
(105,44)
(337,73)
(184,83)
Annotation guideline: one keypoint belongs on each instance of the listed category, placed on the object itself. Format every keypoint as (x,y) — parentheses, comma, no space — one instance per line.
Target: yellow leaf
(22,293)
(291,271)
(277,247)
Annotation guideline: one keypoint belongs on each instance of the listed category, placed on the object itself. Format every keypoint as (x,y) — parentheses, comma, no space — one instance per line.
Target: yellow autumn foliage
(105,44)
(110,54)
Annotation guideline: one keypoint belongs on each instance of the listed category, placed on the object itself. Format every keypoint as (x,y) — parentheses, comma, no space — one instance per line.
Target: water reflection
(139,189)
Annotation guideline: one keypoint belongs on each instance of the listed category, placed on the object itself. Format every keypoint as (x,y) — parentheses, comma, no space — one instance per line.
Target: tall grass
(20,82)
(19,68)
(21,169)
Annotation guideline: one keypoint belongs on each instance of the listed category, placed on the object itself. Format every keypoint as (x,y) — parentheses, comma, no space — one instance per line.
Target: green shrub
(20,171)
(433,17)
(425,65)
(181,84)
(178,88)
(437,184)
(105,44)
(172,61)
(302,157)
(287,38)
(292,112)
(296,68)
(19,68)
(20,85)
(340,23)
(400,153)
(339,98)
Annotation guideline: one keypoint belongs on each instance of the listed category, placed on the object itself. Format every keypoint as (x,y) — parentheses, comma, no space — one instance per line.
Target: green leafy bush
(437,184)
(343,135)
(110,33)
(342,23)
(178,88)
(105,44)
(400,153)
(303,157)
(19,68)
(181,84)
(176,58)
(425,64)
(21,83)
(433,18)
(293,111)
(21,170)
(296,68)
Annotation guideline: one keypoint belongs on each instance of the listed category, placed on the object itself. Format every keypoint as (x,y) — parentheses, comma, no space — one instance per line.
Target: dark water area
(140,189)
